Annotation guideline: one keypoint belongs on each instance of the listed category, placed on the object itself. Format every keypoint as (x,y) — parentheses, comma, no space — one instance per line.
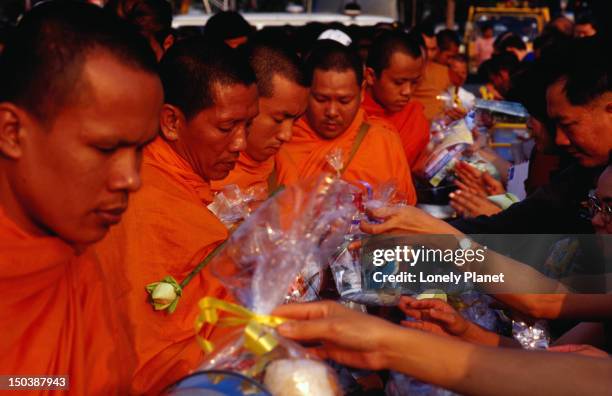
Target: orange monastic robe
(411,124)
(247,173)
(379,159)
(435,81)
(57,317)
(167,230)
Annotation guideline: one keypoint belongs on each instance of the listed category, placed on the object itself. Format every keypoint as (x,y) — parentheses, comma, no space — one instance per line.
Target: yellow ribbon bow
(256,339)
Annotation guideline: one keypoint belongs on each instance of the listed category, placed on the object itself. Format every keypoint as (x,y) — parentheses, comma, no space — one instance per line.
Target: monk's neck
(14,209)
(371,95)
(190,158)
(253,158)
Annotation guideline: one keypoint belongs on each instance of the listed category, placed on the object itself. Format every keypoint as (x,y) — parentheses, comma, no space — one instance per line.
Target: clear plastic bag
(500,107)
(232,205)
(345,265)
(286,239)
(531,336)
(447,145)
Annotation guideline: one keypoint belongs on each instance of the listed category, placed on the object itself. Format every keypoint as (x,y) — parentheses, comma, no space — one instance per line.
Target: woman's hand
(434,316)
(468,204)
(346,336)
(407,219)
(477,182)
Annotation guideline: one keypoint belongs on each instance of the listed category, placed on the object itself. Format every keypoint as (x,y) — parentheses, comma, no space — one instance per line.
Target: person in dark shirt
(579,102)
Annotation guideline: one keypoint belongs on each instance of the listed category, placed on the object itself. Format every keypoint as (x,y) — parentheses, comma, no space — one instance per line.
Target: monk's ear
(370,76)
(11,130)
(171,121)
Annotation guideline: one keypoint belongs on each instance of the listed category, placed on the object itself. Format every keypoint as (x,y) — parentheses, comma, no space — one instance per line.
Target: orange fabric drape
(167,230)
(411,124)
(435,81)
(57,317)
(380,157)
(247,173)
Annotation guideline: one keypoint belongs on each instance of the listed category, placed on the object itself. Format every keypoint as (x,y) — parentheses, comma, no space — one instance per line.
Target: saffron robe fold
(57,317)
(410,122)
(435,81)
(167,230)
(248,173)
(379,159)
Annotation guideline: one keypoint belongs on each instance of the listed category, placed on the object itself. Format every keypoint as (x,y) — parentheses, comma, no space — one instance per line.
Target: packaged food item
(447,145)
(531,336)
(268,260)
(350,276)
(232,205)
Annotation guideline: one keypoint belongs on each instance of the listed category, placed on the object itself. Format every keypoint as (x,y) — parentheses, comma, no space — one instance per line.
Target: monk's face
(335,97)
(273,125)
(212,140)
(393,88)
(71,176)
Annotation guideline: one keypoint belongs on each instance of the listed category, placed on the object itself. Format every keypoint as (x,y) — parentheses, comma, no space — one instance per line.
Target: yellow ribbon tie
(256,339)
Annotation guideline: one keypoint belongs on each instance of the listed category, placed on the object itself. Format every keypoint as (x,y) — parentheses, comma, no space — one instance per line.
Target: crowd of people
(116,132)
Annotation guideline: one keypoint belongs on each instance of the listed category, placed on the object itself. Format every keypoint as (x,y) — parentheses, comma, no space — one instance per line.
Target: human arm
(363,341)
(438,317)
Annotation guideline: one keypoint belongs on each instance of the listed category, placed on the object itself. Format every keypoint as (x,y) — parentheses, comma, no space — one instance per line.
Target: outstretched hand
(344,335)
(406,219)
(434,316)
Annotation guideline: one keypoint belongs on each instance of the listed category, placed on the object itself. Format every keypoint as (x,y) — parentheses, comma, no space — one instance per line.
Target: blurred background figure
(484,43)
(512,43)
(458,73)
(561,24)
(585,26)
(497,73)
(230,27)
(152,18)
(448,46)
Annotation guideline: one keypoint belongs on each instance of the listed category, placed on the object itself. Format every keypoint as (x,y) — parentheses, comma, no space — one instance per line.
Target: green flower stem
(202,264)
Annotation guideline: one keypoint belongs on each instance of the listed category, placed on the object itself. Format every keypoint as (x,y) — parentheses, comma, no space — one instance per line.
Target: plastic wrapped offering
(232,205)
(285,240)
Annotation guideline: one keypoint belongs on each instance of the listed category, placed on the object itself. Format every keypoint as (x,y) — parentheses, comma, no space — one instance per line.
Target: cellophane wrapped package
(348,273)
(268,261)
(231,205)
(447,144)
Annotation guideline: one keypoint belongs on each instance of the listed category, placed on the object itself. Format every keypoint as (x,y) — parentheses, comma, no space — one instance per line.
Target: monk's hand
(434,316)
(346,336)
(468,204)
(406,219)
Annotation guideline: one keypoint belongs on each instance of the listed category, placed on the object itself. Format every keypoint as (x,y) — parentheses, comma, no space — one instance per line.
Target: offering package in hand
(283,242)
(349,276)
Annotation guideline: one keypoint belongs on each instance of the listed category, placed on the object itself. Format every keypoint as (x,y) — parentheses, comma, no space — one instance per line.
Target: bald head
(270,60)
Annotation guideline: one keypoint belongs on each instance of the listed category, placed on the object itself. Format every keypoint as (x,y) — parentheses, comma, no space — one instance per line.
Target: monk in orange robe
(283,91)
(435,81)
(68,161)
(371,150)
(168,229)
(393,68)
